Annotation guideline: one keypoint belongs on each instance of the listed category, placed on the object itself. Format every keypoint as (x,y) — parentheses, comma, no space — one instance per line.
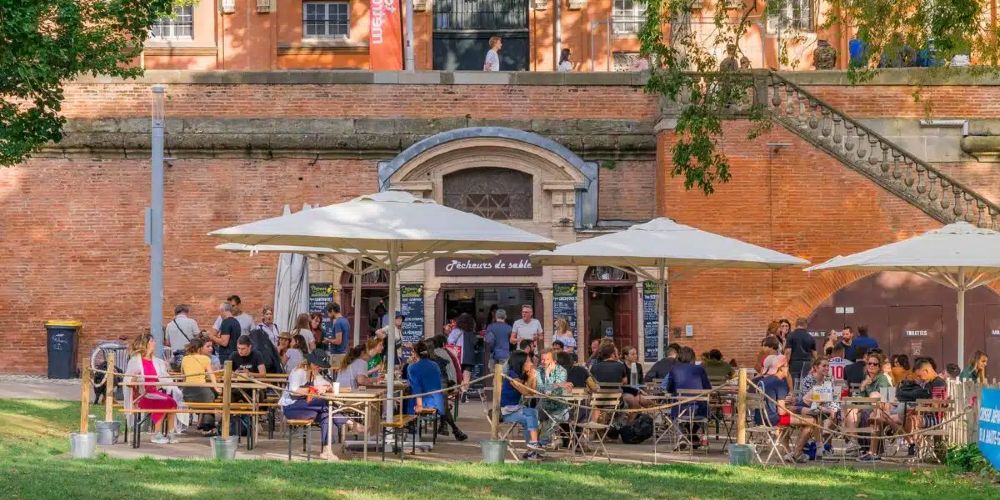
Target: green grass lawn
(34,464)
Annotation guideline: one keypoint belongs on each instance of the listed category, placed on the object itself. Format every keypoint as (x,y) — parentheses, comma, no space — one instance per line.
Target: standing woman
(464,335)
(267,325)
(784,328)
(197,367)
(143,365)
(316,327)
(565,335)
(565,65)
(976,371)
(302,327)
(297,402)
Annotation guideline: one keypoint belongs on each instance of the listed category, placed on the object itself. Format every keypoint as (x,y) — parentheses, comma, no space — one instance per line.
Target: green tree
(685,70)
(44,43)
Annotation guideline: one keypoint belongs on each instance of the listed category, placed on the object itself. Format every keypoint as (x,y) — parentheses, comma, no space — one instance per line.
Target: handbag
(178,354)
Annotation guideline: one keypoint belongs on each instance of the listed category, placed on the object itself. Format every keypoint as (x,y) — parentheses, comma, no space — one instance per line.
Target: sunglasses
(875,364)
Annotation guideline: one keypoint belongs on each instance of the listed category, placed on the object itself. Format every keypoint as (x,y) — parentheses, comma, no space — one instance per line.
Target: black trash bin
(62,340)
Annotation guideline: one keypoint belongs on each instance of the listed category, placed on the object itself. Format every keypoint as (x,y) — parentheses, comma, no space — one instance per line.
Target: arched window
(491,192)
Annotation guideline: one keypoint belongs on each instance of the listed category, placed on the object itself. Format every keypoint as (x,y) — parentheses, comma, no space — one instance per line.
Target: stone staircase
(874,156)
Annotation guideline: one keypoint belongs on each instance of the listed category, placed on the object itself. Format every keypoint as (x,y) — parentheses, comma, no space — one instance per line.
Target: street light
(154,221)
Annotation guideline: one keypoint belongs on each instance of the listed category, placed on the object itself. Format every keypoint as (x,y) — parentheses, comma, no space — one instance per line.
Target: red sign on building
(385,46)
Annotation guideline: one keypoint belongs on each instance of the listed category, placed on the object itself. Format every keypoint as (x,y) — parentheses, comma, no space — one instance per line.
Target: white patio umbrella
(291,286)
(349,261)
(393,228)
(662,243)
(960,256)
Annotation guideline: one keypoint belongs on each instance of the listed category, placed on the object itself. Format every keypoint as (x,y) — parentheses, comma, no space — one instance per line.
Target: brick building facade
(593,148)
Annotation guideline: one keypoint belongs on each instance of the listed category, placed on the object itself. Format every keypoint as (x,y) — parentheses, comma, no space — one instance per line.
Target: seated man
(661,368)
(774,386)
(929,385)
(716,368)
(827,412)
(687,375)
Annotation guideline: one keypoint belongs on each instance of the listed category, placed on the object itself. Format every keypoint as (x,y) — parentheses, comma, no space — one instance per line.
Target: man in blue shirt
(863,340)
(336,333)
(498,337)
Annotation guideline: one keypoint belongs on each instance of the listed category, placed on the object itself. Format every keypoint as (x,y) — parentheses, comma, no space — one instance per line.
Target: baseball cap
(772,363)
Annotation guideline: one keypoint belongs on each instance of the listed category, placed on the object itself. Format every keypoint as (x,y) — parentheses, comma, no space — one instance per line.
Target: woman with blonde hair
(145,366)
(197,368)
(565,335)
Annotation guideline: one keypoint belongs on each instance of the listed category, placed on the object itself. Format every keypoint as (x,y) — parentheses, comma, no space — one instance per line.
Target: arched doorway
(911,315)
(374,298)
(610,306)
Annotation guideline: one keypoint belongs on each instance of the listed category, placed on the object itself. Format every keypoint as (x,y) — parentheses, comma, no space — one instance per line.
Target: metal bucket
(224,448)
(740,454)
(107,433)
(494,452)
(83,445)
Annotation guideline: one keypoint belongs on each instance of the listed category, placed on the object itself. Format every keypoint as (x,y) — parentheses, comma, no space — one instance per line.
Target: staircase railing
(874,156)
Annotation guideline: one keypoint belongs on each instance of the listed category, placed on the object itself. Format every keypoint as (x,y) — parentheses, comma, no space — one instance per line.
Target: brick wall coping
(905,76)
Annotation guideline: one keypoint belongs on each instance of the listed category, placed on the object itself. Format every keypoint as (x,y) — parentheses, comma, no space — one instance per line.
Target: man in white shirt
(181,329)
(527,328)
(492,62)
(246,320)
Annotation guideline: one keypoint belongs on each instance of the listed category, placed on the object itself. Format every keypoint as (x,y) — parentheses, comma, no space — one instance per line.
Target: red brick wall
(363,101)
(799,201)
(881,101)
(73,241)
(627,191)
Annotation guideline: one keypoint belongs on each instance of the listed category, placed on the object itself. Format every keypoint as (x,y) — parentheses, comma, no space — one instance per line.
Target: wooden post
(109,387)
(227,397)
(84,396)
(497,387)
(741,409)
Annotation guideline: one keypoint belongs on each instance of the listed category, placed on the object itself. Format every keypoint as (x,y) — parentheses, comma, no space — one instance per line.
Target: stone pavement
(33,387)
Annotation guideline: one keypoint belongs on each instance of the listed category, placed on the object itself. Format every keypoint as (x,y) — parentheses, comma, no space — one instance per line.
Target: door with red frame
(625,320)
(916,331)
(993,340)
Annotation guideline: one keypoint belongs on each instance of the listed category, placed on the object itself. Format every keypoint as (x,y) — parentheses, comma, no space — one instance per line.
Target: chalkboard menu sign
(649,320)
(320,294)
(411,304)
(564,305)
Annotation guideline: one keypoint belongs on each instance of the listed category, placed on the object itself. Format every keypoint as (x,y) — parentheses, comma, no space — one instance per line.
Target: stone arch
(821,286)
(571,181)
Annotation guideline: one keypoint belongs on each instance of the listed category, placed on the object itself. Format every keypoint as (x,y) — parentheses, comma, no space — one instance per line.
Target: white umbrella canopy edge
(960,256)
(662,243)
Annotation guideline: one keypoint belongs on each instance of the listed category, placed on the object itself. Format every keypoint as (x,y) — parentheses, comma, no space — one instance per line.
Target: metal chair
(604,405)
(764,434)
(931,411)
(858,406)
(687,415)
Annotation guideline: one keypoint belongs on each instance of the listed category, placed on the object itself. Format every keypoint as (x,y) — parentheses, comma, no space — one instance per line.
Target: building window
(494,193)
(178,26)
(792,15)
(325,20)
(628,16)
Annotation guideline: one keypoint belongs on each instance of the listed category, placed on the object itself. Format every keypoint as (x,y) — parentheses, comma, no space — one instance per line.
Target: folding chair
(663,424)
(687,415)
(931,411)
(763,434)
(858,405)
(604,405)
(505,430)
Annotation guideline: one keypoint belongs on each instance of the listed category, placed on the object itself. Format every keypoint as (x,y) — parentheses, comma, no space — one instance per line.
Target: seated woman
(197,368)
(145,366)
(552,382)
(522,379)
(687,375)
(296,352)
(424,375)
(353,371)
(632,392)
(297,402)
(874,385)
(828,412)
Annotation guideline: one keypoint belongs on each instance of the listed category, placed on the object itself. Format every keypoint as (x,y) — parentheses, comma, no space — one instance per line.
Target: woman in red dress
(145,366)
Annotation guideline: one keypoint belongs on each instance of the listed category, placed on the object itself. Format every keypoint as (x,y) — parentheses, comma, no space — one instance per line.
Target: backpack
(262,344)
(910,391)
(639,430)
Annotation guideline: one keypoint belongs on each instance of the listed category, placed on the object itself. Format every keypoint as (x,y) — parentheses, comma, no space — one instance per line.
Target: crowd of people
(790,371)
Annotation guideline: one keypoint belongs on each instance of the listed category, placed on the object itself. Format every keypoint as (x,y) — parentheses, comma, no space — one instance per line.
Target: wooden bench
(397,427)
(303,424)
(140,416)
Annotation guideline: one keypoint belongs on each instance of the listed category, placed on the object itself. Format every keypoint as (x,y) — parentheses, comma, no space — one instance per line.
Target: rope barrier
(648,409)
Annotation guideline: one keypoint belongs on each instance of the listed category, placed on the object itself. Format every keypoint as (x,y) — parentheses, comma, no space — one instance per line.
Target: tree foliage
(44,43)
(685,68)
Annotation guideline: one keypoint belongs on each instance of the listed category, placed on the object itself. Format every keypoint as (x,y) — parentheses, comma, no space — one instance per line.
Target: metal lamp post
(154,222)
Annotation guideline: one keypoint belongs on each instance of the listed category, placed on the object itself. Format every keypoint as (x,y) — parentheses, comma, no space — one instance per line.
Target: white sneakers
(161,439)
(800,458)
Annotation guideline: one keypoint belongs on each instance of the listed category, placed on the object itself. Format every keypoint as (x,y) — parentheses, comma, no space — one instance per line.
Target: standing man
(863,340)
(492,62)
(800,350)
(181,330)
(244,319)
(226,334)
(498,338)
(336,331)
(527,328)
(847,342)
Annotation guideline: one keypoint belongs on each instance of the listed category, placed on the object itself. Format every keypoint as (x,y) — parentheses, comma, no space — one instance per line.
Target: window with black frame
(324,20)
(490,192)
(179,26)
(791,15)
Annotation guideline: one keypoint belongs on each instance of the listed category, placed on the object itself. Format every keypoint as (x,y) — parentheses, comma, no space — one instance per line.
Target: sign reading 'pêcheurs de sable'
(511,264)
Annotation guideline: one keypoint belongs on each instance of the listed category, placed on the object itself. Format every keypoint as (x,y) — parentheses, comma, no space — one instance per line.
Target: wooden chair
(428,417)
(300,426)
(397,427)
(604,404)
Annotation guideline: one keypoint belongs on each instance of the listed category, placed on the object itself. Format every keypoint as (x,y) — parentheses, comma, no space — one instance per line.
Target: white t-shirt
(246,323)
(565,67)
(308,335)
(297,379)
(527,331)
(271,331)
(492,62)
(837,366)
(295,359)
(178,327)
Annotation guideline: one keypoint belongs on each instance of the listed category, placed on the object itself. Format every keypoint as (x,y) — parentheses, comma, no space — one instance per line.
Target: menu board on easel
(320,294)
(411,304)
(564,305)
(650,321)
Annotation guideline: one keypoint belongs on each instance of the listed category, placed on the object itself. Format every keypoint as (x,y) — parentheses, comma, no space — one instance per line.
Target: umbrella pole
(357,301)
(390,372)
(660,313)
(961,317)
